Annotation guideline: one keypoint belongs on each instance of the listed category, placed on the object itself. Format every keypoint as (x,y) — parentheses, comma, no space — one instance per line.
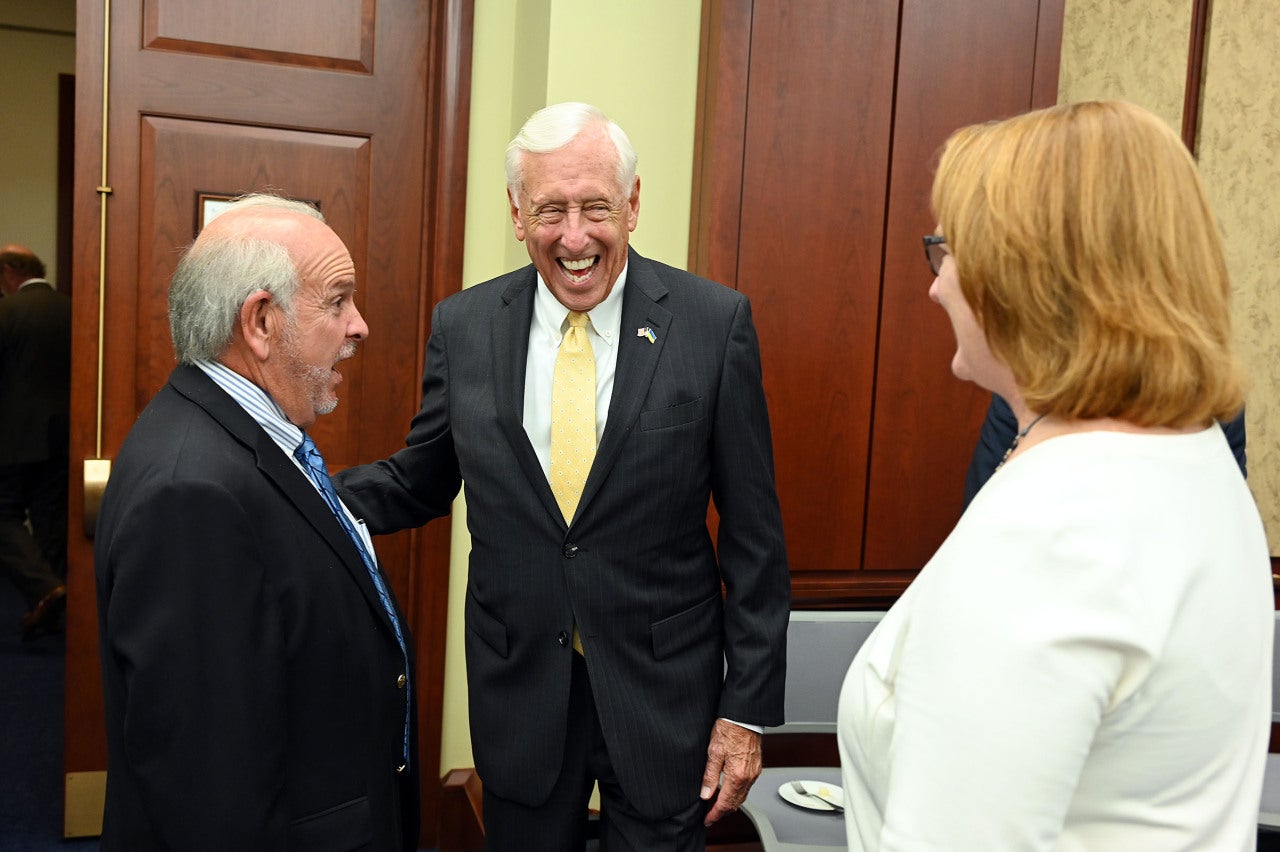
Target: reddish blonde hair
(1085,246)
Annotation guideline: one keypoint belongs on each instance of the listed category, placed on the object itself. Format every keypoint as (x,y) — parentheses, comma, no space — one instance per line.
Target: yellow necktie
(573,415)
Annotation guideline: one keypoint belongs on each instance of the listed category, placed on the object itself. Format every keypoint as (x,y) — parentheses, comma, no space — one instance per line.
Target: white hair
(551,128)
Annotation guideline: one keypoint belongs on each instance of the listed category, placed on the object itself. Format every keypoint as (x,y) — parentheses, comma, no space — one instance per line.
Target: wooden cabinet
(819,123)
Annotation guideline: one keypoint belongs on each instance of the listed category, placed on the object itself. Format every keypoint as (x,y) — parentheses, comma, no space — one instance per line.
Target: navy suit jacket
(251,675)
(637,569)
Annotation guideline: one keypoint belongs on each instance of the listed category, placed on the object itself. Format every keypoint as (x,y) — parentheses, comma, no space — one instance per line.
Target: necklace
(1016,440)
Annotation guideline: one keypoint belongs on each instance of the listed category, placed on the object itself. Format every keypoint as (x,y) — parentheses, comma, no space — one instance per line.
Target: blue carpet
(31,774)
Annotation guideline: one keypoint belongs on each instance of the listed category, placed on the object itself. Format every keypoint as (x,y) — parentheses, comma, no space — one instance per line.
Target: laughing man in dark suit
(257,679)
(599,647)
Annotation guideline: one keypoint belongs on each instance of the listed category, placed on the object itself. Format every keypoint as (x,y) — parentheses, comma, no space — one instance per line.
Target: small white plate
(812,803)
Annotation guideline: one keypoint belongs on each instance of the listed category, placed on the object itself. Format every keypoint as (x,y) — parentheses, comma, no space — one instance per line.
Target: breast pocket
(671,416)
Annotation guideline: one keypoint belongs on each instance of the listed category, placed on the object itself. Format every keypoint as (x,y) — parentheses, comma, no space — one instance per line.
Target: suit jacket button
(570,551)
(401,681)
(562,638)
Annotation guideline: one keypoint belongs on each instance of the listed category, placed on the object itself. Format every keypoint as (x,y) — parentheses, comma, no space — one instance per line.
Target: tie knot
(307,452)
(577,319)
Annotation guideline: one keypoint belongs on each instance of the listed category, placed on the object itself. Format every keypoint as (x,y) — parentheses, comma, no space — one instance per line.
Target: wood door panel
(813,196)
(714,220)
(183,84)
(313,33)
(926,421)
(818,124)
(180,158)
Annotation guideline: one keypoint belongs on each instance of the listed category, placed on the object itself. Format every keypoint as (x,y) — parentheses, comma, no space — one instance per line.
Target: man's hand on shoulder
(735,752)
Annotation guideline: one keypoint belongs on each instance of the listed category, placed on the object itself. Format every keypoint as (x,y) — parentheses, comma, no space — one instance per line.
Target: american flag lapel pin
(647,333)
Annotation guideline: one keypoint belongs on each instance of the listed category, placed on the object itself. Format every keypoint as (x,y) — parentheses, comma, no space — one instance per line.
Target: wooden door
(958,63)
(818,125)
(358,105)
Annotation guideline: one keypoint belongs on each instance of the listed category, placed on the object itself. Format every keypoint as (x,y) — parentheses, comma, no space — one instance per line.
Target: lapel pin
(647,333)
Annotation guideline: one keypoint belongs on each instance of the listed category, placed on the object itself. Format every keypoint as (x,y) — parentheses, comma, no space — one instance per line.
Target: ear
(633,205)
(516,221)
(260,323)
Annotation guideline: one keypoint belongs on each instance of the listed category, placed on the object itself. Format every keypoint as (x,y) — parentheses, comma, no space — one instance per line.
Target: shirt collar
(257,403)
(606,317)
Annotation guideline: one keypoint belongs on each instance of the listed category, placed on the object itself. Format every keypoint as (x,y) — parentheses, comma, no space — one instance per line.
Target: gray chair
(1269,809)
(820,647)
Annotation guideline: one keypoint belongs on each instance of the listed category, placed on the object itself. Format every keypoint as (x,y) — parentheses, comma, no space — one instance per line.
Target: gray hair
(222,269)
(551,128)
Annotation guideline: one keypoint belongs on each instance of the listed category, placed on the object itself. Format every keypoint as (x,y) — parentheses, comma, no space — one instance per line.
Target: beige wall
(1240,160)
(1137,50)
(37,43)
(637,61)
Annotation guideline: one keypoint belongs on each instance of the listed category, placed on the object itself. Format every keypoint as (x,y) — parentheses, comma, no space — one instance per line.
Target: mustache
(348,350)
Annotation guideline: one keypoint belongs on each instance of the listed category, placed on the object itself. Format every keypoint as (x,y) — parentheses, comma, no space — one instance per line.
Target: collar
(606,317)
(257,403)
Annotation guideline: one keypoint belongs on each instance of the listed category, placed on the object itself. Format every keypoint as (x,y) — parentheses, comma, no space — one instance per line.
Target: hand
(734,751)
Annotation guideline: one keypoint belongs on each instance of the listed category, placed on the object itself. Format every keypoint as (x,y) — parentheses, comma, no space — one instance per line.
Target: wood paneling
(361,105)
(280,31)
(818,125)
(721,122)
(813,195)
(1200,13)
(925,420)
(181,158)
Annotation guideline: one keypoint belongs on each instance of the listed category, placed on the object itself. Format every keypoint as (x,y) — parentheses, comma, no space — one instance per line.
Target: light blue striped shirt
(263,409)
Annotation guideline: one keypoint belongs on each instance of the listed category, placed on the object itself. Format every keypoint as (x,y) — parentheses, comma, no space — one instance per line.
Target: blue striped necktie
(313,464)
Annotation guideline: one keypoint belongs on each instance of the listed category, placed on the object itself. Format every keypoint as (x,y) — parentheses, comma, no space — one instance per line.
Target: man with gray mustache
(256,669)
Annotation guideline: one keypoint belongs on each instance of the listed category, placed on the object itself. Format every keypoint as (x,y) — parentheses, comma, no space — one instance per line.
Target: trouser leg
(46,495)
(20,558)
(560,823)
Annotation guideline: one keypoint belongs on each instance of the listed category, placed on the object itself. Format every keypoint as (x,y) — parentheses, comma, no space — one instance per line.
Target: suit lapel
(510,356)
(637,360)
(192,383)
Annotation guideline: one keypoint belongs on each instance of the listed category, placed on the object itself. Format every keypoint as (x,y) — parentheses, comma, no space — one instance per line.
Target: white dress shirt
(550,321)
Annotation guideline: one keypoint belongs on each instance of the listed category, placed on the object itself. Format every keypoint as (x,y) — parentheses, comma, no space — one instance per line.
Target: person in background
(256,670)
(1000,427)
(1085,663)
(35,391)
(593,403)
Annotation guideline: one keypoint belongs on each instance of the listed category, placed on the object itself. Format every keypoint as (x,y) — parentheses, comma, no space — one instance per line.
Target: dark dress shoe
(44,616)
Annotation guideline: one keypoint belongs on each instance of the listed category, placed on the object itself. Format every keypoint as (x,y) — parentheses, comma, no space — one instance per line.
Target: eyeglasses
(934,251)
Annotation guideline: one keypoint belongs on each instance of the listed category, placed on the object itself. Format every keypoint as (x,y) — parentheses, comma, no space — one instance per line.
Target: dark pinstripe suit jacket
(636,570)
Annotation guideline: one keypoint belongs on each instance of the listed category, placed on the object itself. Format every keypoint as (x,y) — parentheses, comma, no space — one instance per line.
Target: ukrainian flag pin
(647,333)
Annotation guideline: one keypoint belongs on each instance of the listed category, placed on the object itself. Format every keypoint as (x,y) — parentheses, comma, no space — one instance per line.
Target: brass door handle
(96,472)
